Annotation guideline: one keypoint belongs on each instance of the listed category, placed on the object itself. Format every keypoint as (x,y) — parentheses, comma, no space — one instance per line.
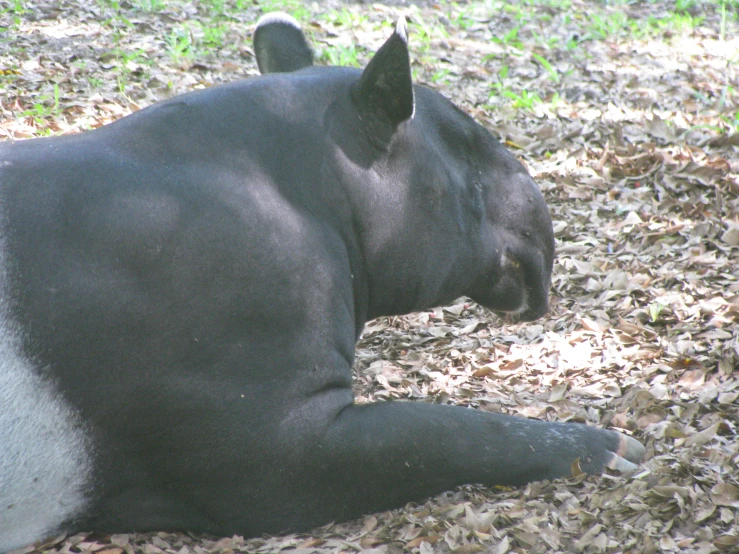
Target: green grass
(441,76)
(424,33)
(347,18)
(213,36)
(180,44)
(340,55)
(299,10)
(525,99)
(553,75)
(735,123)
(43,110)
(510,38)
(149,5)
(556,4)
(605,26)
(124,58)
(215,8)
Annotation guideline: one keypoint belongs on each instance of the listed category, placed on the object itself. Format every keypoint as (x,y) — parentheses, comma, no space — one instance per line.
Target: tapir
(182,290)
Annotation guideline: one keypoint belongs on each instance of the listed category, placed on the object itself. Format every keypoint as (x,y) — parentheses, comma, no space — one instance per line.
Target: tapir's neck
(410,253)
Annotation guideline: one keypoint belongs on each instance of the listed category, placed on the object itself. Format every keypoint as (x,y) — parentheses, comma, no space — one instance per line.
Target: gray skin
(182,291)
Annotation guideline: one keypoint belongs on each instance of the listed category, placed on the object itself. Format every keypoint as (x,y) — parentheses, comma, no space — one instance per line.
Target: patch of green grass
(684,5)
(543,40)
(732,124)
(180,44)
(213,36)
(553,75)
(605,26)
(555,100)
(459,16)
(510,38)
(526,100)
(16,10)
(518,100)
(521,13)
(727,102)
(44,109)
(555,4)
(215,8)
(424,34)
(97,82)
(340,56)
(124,59)
(347,18)
(149,5)
(441,76)
(12,27)
(674,22)
(654,309)
(296,8)
(683,21)
(731,13)
(117,20)
(185,41)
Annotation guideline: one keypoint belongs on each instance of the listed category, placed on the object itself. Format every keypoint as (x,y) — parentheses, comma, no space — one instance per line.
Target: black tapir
(181,293)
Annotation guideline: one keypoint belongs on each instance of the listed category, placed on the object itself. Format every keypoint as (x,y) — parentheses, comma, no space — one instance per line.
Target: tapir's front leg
(377,456)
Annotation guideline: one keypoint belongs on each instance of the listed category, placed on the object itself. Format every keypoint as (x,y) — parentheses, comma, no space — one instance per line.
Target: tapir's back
(271,113)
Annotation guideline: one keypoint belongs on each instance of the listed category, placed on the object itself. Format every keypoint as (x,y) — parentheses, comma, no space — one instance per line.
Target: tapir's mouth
(533,297)
(519,290)
(524,313)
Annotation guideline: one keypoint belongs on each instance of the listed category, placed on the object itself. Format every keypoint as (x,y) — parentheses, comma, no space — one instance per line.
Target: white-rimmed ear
(280,45)
(384,93)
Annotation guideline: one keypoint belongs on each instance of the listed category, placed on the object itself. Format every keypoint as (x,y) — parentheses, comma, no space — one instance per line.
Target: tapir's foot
(594,448)
(536,450)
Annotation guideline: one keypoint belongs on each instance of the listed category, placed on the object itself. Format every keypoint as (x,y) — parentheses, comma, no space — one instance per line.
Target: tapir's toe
(629,453)
(631,449)
(621,464)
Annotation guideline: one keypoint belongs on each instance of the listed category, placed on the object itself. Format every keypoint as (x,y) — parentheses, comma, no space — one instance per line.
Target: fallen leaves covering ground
(633,139)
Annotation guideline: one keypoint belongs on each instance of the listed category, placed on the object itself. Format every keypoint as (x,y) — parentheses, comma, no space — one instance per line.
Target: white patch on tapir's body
(45,461)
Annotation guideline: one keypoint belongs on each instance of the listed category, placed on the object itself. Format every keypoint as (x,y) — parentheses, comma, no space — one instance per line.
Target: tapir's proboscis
(182,290)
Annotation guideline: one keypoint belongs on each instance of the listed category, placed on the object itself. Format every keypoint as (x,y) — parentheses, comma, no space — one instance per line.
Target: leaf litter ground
(627,116)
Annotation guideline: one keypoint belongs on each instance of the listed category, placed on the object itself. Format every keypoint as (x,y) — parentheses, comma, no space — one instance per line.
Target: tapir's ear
(280,45)
(384,93)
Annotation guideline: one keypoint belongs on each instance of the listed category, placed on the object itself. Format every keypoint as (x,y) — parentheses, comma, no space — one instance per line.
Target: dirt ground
(627,116)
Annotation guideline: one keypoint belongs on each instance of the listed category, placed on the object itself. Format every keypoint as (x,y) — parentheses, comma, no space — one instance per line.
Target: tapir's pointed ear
(280,45)
(384,93)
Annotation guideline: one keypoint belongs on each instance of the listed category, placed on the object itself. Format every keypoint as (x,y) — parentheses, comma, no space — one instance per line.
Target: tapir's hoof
(629,453)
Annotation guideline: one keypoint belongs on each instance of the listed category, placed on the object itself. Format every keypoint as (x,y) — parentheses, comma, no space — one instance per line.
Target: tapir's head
(441,209)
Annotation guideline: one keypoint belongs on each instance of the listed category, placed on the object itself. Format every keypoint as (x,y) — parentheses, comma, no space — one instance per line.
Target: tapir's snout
(521,241)
(536,308)
(521,291)
(530,245)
